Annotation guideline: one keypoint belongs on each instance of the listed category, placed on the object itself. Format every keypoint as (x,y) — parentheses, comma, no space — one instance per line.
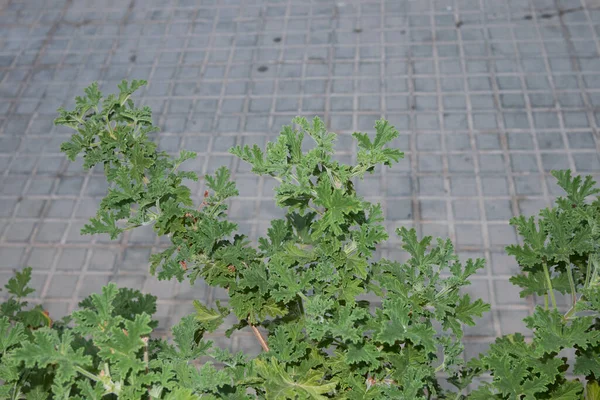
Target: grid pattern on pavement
(489,96)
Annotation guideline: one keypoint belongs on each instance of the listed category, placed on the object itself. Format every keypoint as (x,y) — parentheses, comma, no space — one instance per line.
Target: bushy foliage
(560,252)
(333,321)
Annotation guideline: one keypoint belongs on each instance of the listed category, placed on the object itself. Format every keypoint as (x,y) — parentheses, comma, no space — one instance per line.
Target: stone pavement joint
(489,96)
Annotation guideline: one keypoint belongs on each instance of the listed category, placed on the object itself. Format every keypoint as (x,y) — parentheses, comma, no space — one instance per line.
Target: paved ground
(489,95)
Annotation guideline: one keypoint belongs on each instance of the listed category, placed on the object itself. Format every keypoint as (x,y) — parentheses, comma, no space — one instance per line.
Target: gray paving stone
(512,321)
(491,162)
(429,142)
(12,257)
(72,259)
(40,258)
(19,232)
(430,163)
(550,140)
(523,163)
(581,140)
(61,286)
(587,162)
(503,264)
(463,107)
(516,120)
(468,235)
(463,186)
(400,209)
(466,210)
(498,210)
(555,162)
(501,235)
(398,185)
(102,260)
(431,186)
(520,141)
(495,186)
(30,208)
(434,210)
(460,163)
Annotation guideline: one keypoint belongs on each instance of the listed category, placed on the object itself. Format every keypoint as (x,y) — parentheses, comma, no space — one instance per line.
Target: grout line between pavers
(479,184)
(72,304)
(575,65)
(30,177)
(557,104)
(412,128)
(254,230)
(451,232)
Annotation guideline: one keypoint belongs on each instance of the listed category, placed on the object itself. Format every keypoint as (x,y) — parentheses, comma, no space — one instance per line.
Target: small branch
(87,374)
(572,284)
(588,273)
(260,338)
(315,210)
(549,284)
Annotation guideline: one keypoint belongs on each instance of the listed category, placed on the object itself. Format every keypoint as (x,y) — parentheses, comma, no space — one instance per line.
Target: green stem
(444,291)
(546,301)
(215,207)
(549,284)
(87,374)
(315,210)
(15,392)
(110,130)
(588,273)
(300,307)
(302,296)
(572,309)
(594,274)
(571,284)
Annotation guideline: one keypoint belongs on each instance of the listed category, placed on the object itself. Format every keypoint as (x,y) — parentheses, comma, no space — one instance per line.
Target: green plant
(560,253)
(104,351)
(332,321)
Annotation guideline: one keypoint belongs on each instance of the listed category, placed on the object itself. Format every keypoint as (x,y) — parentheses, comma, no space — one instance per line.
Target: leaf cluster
(333,319)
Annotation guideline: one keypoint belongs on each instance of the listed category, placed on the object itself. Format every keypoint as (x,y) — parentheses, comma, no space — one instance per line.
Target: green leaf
(510,379)
(104,222)
(571,390)
(576,190)
(10,335)
(552,333)
(89,391)
(98,312)
(587,363)
(47,348)
(400,326)
(181,394)
(374,152)
(18,285)
(221,184)
(278,233)
(279,384)
(592,391)
(363,353)
(208,318)
(337,205)
(37,393)
(121,346)
(287,343)
(185,336)
(535,283)
(465,310)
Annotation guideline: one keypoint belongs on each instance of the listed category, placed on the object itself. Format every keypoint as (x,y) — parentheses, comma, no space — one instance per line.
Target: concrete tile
(228,87)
